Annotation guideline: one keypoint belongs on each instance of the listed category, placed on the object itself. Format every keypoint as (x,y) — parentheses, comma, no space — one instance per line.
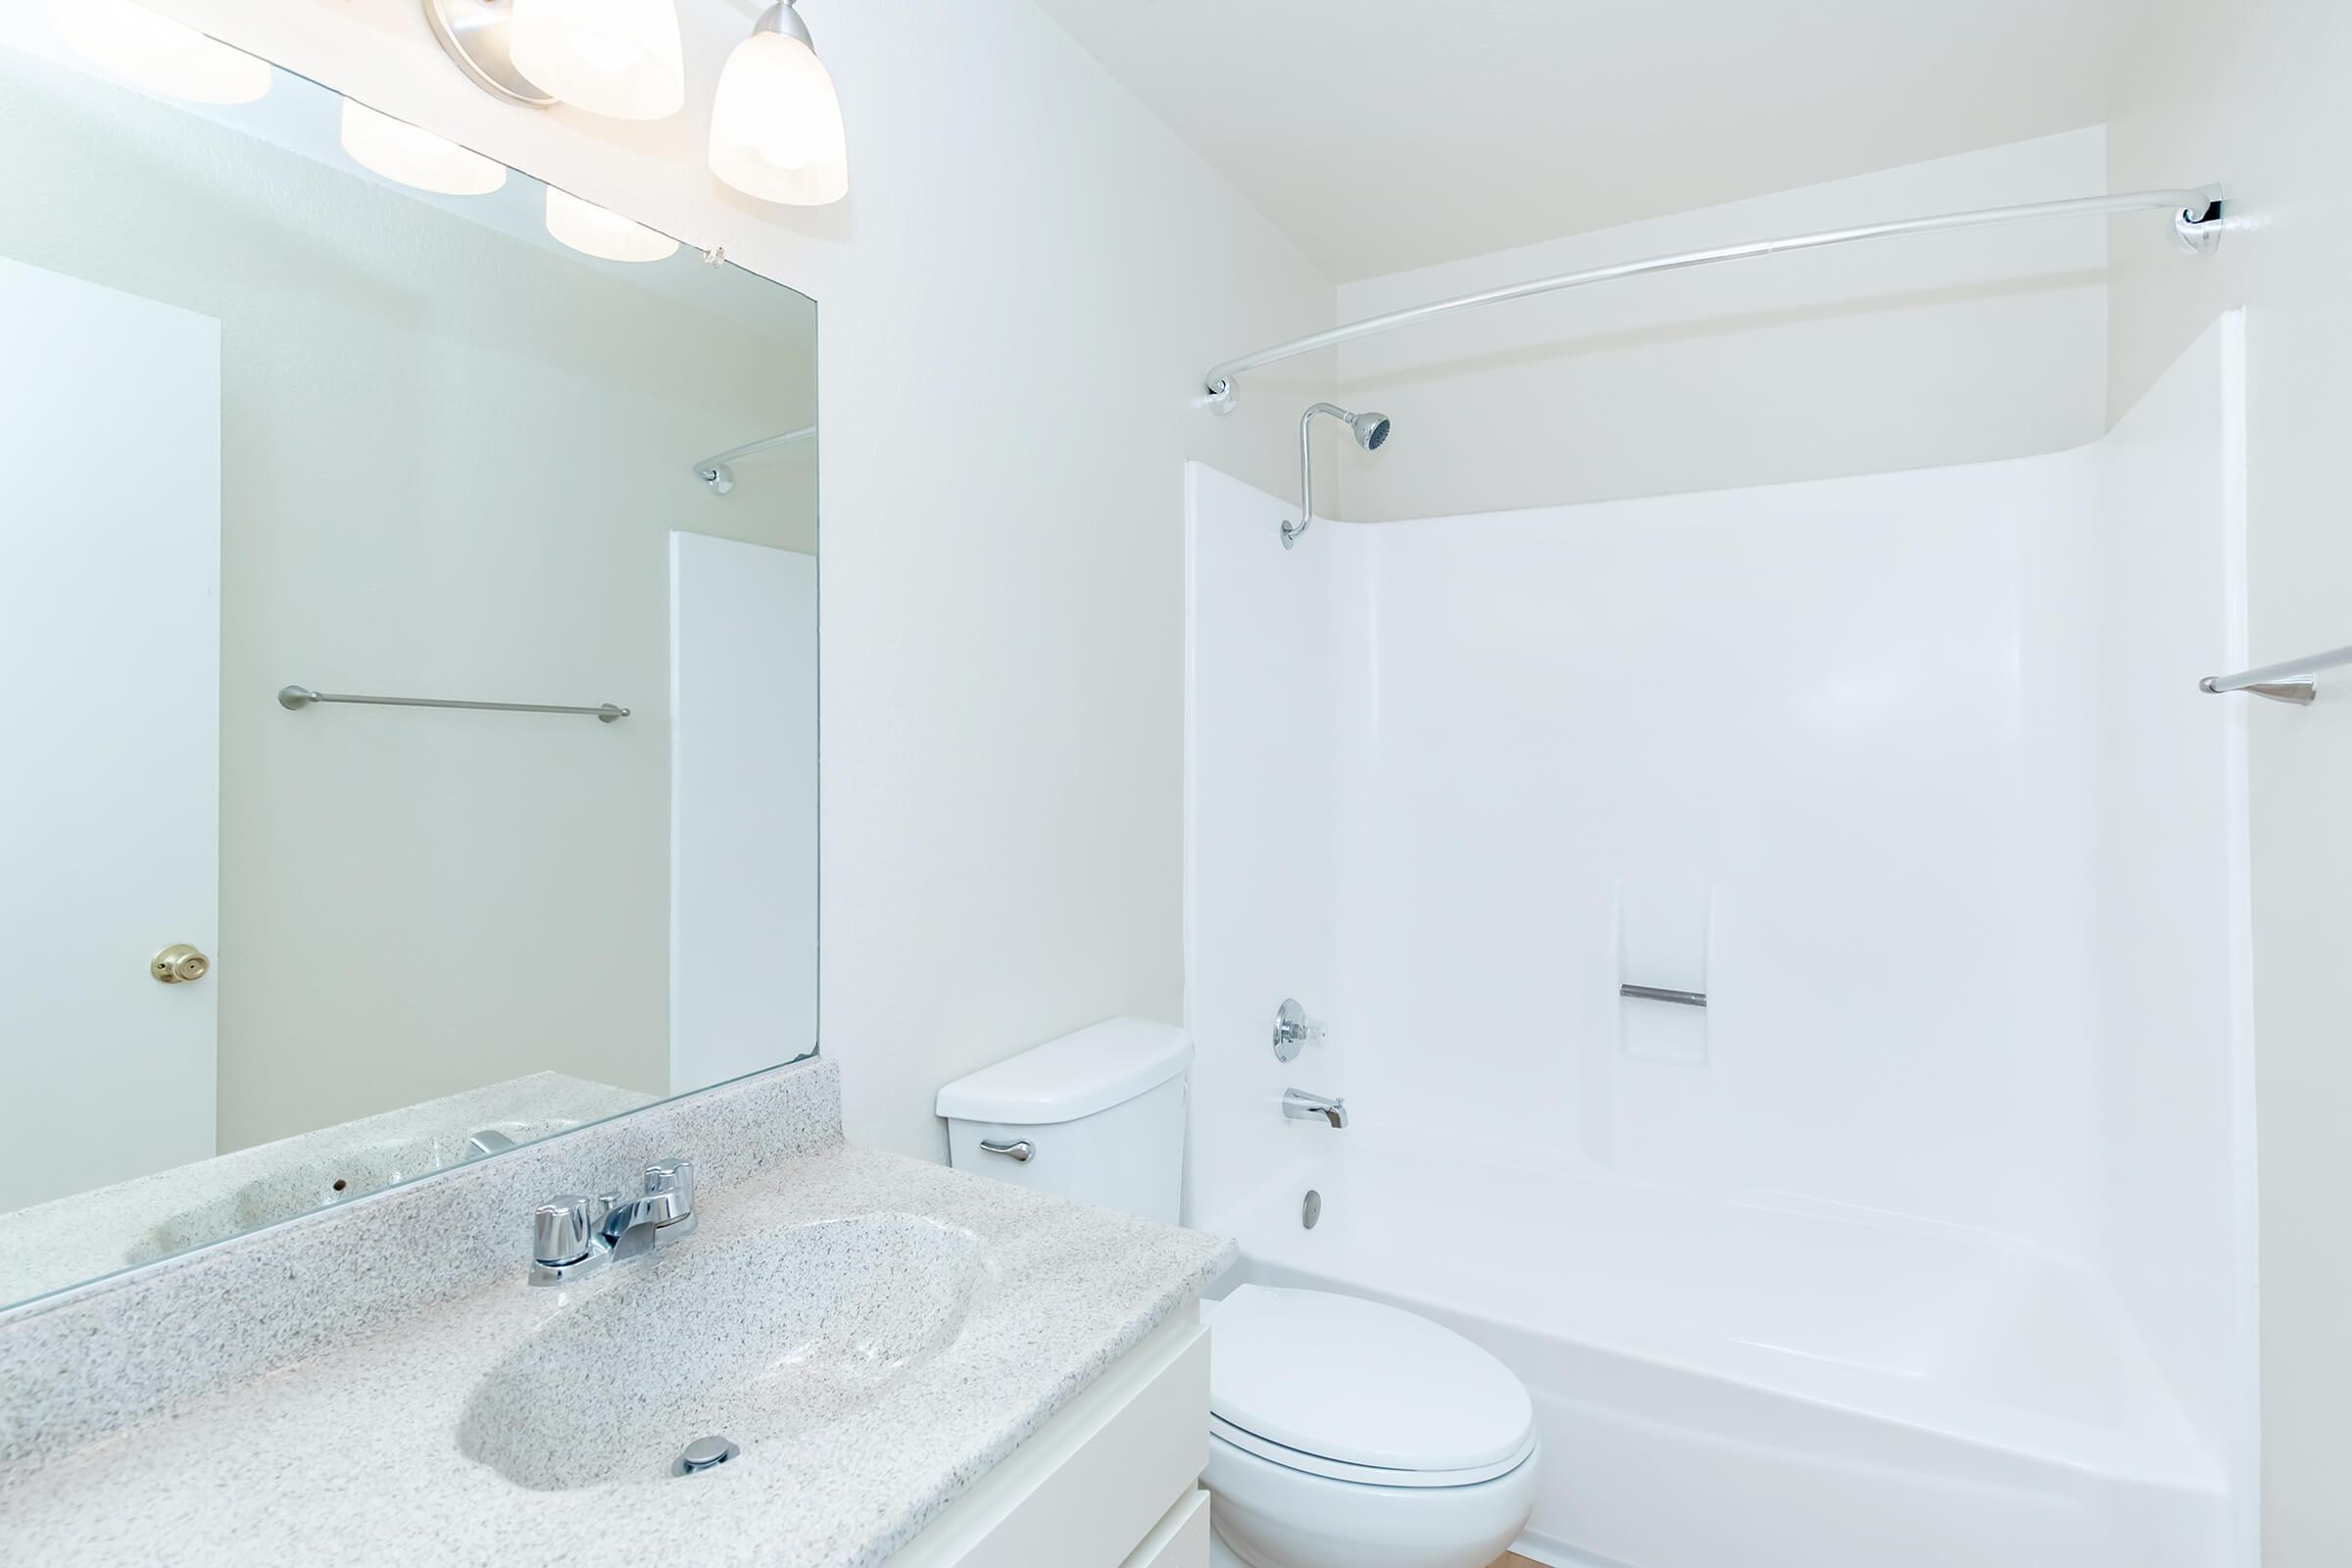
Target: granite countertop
(352,1455)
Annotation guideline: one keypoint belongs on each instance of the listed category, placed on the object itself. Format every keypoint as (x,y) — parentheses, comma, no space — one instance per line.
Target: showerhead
(1371,432)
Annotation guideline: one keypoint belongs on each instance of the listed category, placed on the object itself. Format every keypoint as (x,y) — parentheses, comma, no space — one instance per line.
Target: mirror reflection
(409,628)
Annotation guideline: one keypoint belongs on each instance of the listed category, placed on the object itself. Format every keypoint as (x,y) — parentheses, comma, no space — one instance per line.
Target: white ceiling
(1384,134)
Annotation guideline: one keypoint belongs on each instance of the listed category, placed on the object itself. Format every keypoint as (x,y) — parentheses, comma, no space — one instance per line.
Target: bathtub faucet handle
(1293,1030)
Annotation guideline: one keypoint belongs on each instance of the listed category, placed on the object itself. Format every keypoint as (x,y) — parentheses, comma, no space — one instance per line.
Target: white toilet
(1343,1432)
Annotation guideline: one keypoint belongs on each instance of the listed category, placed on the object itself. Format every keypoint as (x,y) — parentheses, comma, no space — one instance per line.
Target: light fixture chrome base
(474,33)
(784,17)
(2199,229)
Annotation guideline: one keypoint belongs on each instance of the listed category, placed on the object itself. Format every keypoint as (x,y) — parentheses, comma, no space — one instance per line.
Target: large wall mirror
(408,623)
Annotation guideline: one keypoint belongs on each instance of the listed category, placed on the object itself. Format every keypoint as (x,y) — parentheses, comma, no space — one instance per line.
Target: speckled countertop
(353,1453)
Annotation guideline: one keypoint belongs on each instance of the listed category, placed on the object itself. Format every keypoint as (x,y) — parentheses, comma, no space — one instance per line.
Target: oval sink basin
(743,1340)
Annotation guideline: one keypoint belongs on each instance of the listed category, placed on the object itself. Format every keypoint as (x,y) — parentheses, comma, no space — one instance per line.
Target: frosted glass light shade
(775,123)
(621,59)
(159,53)
(593,232)
(414,155)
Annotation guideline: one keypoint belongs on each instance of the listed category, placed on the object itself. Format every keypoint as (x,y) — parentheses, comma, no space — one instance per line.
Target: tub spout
(1299,1105)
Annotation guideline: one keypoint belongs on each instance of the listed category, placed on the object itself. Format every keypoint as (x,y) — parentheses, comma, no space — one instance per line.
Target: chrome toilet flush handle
(1021,1150)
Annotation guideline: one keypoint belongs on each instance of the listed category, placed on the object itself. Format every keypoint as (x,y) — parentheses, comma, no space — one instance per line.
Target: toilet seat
(1361,1474)
(1354,1391)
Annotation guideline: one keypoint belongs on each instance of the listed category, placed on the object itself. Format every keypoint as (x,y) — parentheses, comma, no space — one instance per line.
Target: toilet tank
(1096,1115)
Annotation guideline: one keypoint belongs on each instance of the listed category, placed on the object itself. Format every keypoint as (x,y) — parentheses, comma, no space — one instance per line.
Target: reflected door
(110,519)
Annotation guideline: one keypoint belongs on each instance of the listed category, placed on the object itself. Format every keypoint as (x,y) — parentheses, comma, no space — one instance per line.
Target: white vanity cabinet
(1112,1481)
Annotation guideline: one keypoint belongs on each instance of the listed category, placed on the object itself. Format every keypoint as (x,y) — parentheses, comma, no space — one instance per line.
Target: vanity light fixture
(593,232)
(414,155)
(621,59)
(159,53)
(776,122)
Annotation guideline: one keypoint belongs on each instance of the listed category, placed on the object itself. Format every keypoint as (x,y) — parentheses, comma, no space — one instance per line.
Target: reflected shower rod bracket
(2288,682)
(718,478)
(294,699)
(2199,218)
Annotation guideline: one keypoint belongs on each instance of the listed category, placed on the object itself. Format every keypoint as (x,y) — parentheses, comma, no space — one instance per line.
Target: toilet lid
(1349,1380)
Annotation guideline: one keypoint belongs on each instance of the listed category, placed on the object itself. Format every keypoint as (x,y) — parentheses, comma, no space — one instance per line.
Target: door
(743,800)
(110,586)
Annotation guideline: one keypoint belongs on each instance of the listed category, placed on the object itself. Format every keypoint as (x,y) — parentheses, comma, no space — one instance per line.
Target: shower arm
(1291,531)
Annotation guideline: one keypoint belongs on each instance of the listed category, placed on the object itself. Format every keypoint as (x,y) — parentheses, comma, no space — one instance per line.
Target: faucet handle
(560,1229)
(671,1180)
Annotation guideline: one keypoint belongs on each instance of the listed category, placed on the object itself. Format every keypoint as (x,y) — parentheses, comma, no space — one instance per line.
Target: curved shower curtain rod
(2197,222)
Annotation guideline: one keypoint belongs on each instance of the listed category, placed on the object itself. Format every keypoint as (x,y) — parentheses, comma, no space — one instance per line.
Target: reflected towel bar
(297,698)
(1688,998)
(2288,682)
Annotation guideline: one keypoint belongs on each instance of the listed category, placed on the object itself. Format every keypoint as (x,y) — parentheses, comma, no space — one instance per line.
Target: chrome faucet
(572,1235)
(1299,1105)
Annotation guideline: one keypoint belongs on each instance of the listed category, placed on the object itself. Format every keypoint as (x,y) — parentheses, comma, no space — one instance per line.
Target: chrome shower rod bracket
(2198,228)
(715,473)
(2197,223)
(2289,682)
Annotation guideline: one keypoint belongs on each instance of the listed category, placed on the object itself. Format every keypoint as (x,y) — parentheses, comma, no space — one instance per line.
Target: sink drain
(703,1453)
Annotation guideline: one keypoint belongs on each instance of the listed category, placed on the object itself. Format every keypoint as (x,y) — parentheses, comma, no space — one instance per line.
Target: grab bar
(2289,682)
(297,698)
(1687,999)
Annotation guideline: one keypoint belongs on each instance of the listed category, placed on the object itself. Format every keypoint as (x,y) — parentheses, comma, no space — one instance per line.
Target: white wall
(1902,354)
(1017,299)
(407,897)
(2251,93)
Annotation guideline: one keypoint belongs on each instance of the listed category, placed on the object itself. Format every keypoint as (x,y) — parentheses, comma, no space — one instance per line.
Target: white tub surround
(1928,1238)
(397,1331)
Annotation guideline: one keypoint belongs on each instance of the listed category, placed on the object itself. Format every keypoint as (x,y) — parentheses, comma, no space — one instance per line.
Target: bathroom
(1810,1036)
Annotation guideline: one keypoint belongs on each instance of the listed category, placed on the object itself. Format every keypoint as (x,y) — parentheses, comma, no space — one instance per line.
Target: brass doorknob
(178,962)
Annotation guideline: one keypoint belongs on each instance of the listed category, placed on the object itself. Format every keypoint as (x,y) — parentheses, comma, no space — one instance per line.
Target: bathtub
(1765,1383)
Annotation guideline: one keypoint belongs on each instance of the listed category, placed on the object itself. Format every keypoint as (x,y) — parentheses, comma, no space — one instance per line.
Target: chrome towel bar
(1688,998)
(2289,682)
(297,698)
